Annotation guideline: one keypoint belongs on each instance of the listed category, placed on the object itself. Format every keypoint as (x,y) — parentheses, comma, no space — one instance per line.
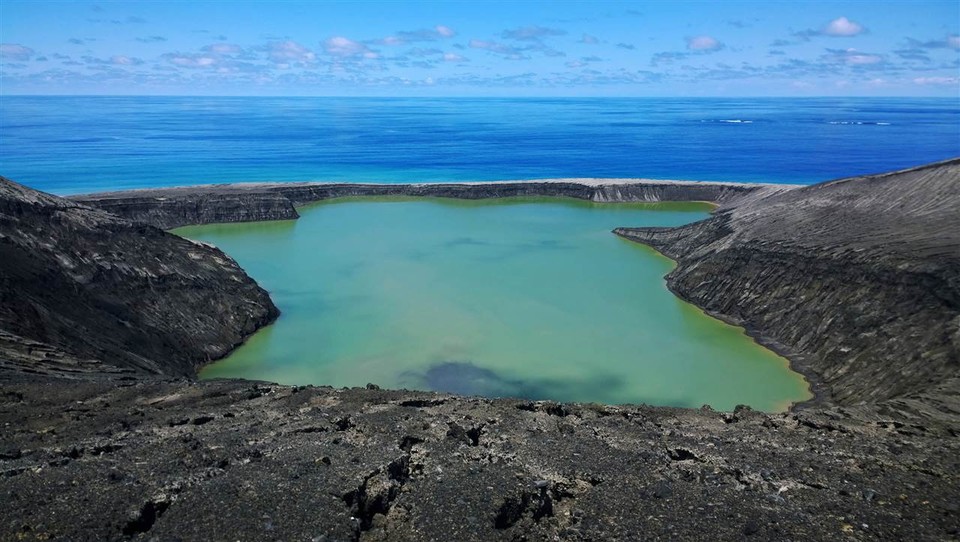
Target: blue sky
(481,48)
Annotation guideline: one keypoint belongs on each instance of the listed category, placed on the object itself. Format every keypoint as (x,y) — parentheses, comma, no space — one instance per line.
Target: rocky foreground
(103,439)
(235,460)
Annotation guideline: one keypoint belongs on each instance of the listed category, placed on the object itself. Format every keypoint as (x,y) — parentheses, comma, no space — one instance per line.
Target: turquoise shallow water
(517,297)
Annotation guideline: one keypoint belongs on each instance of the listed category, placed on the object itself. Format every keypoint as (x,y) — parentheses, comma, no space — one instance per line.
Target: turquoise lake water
(532,298)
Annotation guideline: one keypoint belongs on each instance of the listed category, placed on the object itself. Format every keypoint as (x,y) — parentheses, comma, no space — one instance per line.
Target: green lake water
(529,298)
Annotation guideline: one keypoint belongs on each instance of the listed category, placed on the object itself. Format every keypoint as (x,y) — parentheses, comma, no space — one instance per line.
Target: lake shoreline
(819,394)
(778,265)
(243,202)
(626,317)
(205,204)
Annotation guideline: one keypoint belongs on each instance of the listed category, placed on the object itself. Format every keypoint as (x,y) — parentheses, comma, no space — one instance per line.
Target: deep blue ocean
(69,145)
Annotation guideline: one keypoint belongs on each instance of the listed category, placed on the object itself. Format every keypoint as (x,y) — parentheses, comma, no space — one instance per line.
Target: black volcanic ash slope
(860,276)
(78,283)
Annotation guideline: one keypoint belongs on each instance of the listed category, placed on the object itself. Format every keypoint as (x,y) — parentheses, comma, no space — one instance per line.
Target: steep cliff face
(720,193)
(168,208)
(87,285)
(860,278)
(173,208)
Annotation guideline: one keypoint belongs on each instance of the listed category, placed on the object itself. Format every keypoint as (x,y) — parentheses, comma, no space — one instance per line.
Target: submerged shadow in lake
(547,244)
(351,270)
(508,251)
(483,250)
(465,378)
(464,241)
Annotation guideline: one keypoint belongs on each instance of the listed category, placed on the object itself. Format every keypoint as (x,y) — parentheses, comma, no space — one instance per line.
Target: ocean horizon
(81,144)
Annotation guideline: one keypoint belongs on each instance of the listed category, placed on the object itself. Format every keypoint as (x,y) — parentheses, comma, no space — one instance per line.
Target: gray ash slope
(858,278)
(158,459)
(100,293)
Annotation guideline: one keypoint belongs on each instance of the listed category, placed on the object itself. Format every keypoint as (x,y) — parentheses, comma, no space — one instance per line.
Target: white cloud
(427,34)
(854,57)
(217,55)
(193,61)
(863,59)
(703,43)
(116,60)
(499,48)
(952,41)
(531,33)
(453,57)
(421,52)
(667,57)
(223,48)
(15,51)
(342,47)
(282,52)
(842,27)
(587,38)
(121,60)
(937,80)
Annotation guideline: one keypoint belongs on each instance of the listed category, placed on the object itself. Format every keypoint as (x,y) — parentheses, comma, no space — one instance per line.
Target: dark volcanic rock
(94,461)
(858,278)
(171,208)
(80,284)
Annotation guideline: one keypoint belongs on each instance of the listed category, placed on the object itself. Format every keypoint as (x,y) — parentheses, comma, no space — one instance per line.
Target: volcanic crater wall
(855,280)
(859,280)
(85,291)
(169,208)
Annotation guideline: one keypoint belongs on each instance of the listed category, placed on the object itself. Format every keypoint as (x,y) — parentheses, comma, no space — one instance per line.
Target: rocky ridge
(169,208)
(857,279)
